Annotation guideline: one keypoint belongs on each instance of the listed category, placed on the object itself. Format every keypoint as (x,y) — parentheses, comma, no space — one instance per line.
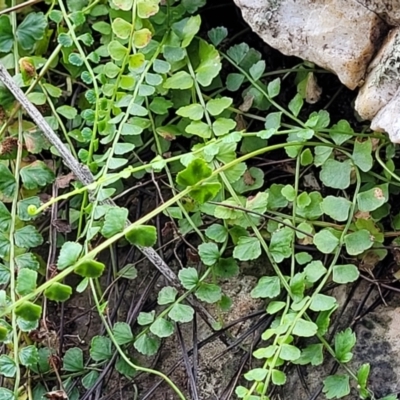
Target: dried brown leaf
(63,181)
(313,91)
(56,395)
(248,179)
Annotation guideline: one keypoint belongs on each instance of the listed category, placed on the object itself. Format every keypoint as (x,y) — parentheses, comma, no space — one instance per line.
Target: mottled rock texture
(339,35)
(383,78)
(388,119)
(351,38)
(388,10)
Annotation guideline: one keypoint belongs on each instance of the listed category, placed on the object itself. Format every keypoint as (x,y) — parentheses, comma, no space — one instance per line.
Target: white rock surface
(383,78)
(388,119)
(338,35)
(342,36)
(388,10)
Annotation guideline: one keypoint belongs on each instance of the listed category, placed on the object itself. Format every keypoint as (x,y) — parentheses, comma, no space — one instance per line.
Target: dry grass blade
(19,7)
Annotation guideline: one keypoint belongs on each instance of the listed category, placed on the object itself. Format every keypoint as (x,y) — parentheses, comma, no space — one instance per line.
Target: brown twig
(19,7)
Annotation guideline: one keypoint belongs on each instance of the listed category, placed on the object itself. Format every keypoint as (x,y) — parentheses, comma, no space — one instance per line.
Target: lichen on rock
(388,10)
(383,78)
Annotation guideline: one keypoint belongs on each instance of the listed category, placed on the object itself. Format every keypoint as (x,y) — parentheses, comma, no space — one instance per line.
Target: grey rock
(388,119)
(388,10)
(338,35)
(377,334)
(383,78)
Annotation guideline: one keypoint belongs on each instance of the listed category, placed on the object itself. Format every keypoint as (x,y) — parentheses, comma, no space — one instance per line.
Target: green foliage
(29,311)
(7,366)
(247,248)
(189,278)
(90,269)
(344,342)
(372,199)
(281,244)
(69,254)
(162,328)
(181,313)
(28,33)
(336,386)
(195,172)
(36,175)
(128,272)
(122,333)
(27,237)
(217,232)
(326,241)
(160,101)
(312,354)
(226,268)
(58,292)
(357,242)
(322,302)
(267,286)
(145,318)
(209,253)
(345,273)
(28,355)
(304,328)
(362,380)
(114,221)
(166,295)
(90,379)
(208,292)
(73,360)
(26,281)
(147,345)
(336,207)
(336,174)
(142,236)
(6,394)
(100,348)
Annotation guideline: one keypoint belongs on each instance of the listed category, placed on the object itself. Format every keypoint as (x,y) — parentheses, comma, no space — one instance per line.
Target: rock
(377,333)
(387,119)
(388,10)
(339,35)
(383,78)
(377,344)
